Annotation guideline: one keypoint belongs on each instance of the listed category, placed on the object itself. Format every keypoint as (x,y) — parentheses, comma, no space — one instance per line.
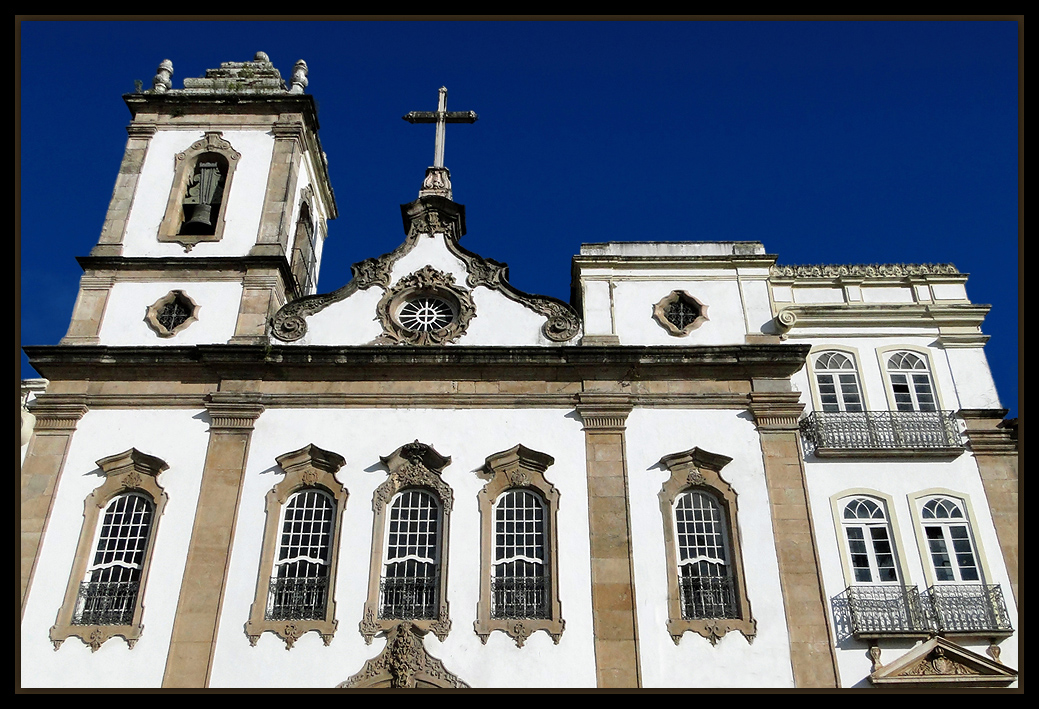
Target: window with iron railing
(299,585)
(520,586)
(410,581)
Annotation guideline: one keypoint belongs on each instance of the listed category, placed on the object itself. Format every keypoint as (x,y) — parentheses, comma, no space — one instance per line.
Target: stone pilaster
(261,298)
(994,445)
(56,419)
(811,653)
(111,241)
(190,657)
(609,524)
(89,311)
(275,220)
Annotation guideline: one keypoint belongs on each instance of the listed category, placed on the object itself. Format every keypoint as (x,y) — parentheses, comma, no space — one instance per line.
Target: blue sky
(830,142)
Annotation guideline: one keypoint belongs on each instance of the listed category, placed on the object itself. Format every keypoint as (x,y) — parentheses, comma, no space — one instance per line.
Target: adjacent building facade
(706,470)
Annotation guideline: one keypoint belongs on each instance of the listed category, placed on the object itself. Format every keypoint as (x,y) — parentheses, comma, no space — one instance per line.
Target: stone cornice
(54,412)
(885,270)
(313,362)
(607,412)
(986,433)
(945,317)
(233,411)
(102,266)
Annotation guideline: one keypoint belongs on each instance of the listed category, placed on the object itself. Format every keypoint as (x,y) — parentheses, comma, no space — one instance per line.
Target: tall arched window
(295,587)
(106,589)
(410,585)
(870,546)
(705,578)
(407,580)
(949,541)
(706,589)
(911,384)
(299,585)
(838,383)
(108,594)
(520,586)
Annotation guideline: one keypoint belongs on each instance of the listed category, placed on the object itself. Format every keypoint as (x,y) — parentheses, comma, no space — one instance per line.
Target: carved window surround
(153,315)
(523,469)
(128,472)
(309,467)
(425,282)
(692,470)
(663,313)
(211,143)
(413,465)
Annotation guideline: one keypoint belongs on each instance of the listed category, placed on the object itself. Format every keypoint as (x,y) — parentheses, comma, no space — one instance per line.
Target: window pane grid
(409,588)
(520,585)
(298,589)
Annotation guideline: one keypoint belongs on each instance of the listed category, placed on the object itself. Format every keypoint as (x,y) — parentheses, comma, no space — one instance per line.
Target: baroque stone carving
(172,313)
(404,664)
(426,282)
(412,465)
(680,313)
(886,270)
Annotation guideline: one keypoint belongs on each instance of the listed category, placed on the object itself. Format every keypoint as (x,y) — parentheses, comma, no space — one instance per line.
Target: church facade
(706,470)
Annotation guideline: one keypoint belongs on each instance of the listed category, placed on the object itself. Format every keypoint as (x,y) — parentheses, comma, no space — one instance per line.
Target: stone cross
(438,181)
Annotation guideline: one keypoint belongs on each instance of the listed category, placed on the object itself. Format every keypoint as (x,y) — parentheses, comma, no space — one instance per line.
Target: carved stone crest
(424,308)
(404,664)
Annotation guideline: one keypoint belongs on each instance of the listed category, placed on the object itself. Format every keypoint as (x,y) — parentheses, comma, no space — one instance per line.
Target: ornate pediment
(404,664)
(939,661)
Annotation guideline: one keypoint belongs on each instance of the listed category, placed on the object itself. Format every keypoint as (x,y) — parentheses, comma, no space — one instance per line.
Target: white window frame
(837,377)
(411,562)
(838,504)
(913,379)
(918,502)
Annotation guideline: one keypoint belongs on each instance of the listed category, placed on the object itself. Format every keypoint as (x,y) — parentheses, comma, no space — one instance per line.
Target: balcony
(409,598)
(866,612)
(881,434)
(106,603)
(297,598)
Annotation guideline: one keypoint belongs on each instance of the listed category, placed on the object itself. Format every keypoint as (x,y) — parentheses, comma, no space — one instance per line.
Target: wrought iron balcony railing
(842,433)
(519,597)
(888,610)
(409,598)
(708,597)
(106,603)
(297,599)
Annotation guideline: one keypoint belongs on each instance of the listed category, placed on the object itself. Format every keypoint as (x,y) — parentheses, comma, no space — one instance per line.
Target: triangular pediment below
(939,661)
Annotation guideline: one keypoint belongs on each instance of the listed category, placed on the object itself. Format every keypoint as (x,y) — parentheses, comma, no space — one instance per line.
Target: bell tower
(219,212)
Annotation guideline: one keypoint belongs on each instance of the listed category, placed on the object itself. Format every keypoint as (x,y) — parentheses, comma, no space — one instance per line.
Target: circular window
(426,313)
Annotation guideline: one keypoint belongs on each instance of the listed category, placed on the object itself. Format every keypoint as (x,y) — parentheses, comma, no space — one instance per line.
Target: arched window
(868,534)
(520,585)
(295,587)
(108,594)
(706,589)
(197,206)
(949,541)
(410,585)
(299,585)
(407,580)
(838,383)
(304,253)
(519,569)
(706,582)
(911,384)
(106,588)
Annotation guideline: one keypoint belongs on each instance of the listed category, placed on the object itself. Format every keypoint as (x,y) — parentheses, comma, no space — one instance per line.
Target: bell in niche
(203,194)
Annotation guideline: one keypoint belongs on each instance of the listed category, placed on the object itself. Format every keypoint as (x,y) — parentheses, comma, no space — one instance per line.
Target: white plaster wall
(634,302)
(598,315)
(124,320)
(362,436)
(178,437)
(812,296)
(878,294)
(694,662)
(756,304)
(972,378)
(900,479)
(244,203)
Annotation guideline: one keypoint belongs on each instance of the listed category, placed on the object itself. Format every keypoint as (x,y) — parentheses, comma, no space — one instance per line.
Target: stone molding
(211,142)
(986,434)
(404,663)
(939,662)
(413,465)
(233,411)
(697,469)
(776,411)
(130,471)
(604,412)
(887,270)
(517,468)
(309,467)
(151,315)
(57,412)
(959,323)
(427,217)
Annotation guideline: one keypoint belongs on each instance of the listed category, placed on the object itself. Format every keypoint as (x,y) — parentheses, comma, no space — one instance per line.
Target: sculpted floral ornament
(404,664)
(864,270)
(424,308)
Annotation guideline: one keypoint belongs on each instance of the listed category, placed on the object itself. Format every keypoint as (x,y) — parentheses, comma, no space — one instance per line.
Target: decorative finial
(261,57)
(299,77)
(161,82)
(438,178)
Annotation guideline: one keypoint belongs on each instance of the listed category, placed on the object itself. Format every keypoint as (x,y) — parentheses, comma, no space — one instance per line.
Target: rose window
(426,314)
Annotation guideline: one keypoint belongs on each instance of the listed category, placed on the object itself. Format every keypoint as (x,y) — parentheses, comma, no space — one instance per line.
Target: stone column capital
(604,411)
(231,411)
(776,411)
(54,412)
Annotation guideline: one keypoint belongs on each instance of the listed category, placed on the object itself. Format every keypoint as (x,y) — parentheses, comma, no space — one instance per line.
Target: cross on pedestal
(438,177)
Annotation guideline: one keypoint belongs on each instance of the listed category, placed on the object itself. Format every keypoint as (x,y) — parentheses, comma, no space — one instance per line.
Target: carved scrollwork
(404,663)
(886,270)
(427,283)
